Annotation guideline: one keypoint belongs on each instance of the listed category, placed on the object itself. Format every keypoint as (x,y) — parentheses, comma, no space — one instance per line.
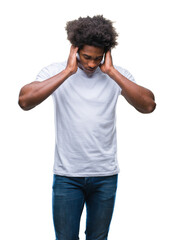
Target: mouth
(87,70)
(91,70)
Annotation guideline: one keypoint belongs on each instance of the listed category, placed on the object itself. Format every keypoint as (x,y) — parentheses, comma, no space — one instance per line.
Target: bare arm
(139,97)
(36,92)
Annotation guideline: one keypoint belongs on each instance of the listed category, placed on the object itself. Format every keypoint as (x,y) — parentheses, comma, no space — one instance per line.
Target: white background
(32,37)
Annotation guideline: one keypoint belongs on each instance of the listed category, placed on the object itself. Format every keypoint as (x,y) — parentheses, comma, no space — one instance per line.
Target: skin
(90,58)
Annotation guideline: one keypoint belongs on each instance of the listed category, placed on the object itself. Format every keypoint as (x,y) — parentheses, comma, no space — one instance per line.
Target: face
(90,58)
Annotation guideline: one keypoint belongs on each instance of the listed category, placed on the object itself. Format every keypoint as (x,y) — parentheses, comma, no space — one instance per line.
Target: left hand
(107,66)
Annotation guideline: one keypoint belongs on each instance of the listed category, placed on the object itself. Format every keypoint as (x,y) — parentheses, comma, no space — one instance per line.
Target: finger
(108,52)
(74,49)
(108,55)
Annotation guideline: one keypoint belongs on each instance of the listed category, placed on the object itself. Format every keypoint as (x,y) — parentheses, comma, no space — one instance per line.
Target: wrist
(111,71)
(68,72)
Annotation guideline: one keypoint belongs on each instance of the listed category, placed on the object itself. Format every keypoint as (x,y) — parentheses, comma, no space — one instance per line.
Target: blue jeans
(69,196)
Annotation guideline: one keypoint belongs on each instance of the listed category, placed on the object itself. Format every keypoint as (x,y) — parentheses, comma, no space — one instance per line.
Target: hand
(72,63)
(107,66)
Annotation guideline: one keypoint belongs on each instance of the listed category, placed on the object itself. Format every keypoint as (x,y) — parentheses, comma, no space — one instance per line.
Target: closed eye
(99,58)
(89,57)
(86,57)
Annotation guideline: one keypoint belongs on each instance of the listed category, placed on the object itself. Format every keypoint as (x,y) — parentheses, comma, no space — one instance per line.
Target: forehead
(92,51)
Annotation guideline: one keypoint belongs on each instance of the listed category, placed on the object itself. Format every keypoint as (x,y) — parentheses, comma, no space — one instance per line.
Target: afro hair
(96,31)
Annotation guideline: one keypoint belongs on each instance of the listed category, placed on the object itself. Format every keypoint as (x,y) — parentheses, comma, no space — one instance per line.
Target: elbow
(149,103)
(152,107)
(23,105)
(26,97)
(152,104)
(149,108)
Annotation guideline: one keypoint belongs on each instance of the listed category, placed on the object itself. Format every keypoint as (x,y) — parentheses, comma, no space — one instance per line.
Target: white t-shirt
(85,122)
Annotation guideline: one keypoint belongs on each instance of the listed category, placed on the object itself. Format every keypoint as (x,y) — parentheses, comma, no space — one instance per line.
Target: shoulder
(55,66)
(50,70)
(125,72)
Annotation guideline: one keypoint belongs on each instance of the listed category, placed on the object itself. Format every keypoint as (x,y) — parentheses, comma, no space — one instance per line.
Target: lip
(90,70)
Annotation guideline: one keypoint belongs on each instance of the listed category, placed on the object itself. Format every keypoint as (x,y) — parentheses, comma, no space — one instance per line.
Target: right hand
(72,63)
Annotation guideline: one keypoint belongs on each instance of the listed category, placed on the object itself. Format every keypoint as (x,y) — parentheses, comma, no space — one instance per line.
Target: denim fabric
(69,196)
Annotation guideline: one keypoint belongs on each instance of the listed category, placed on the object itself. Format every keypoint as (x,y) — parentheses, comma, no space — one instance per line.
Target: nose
(91,64)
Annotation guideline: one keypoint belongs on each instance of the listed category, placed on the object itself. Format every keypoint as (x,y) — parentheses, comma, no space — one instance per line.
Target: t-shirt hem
(101,174)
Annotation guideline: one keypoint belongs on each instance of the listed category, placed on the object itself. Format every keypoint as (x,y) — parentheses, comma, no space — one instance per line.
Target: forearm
(139,97)
(36,92)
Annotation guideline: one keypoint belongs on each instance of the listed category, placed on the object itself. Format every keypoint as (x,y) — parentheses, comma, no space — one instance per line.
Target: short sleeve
(43,74)
(50,71)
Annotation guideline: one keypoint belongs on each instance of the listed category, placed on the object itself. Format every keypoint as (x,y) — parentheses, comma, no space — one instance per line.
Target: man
(85,89)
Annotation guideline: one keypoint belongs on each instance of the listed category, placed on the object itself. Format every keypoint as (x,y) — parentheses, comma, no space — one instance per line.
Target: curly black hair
(95,31)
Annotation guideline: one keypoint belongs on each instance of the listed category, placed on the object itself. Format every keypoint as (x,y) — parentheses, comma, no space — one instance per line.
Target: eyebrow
(85,55)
